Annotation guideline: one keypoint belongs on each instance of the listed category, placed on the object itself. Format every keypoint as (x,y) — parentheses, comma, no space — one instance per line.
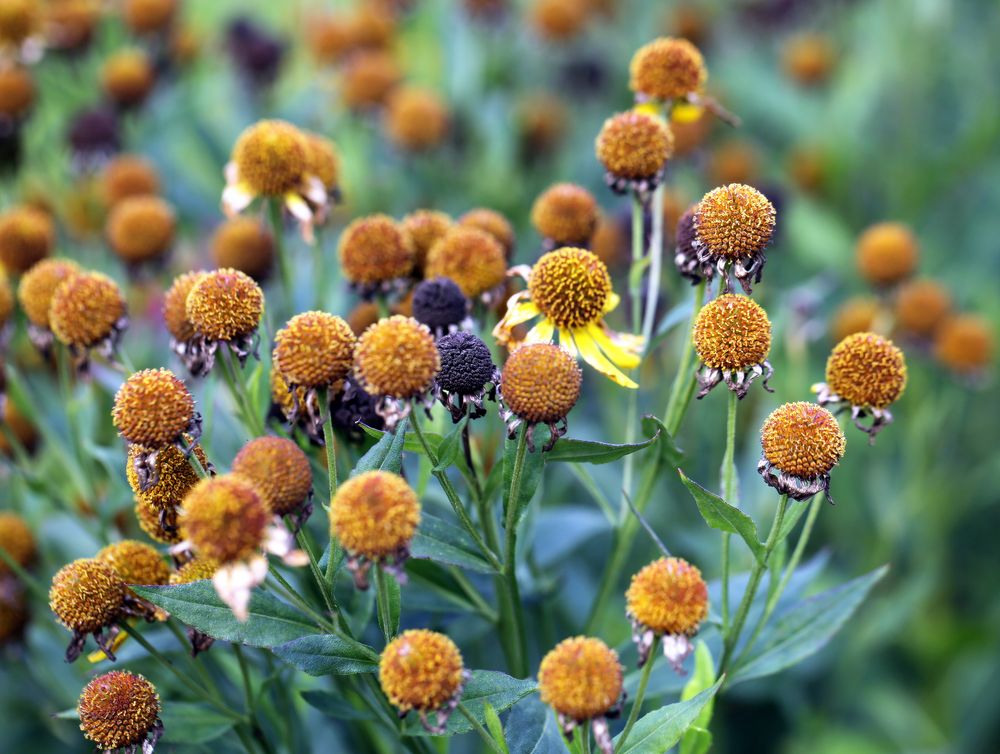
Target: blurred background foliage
(891,114)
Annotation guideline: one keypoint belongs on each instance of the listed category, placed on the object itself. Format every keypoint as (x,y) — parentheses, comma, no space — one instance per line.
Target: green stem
(284,265)
(684,382)
(640,694)
(33,584)
(655,265)
(472,593)
(251,422)
(511,616)
(729,495)
(478,727)
(305,542)
(251,710)
(301,604)
(330,447)
(733,635)
(635,279)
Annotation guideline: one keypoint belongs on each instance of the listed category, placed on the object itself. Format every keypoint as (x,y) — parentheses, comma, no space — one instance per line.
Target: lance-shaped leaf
(328,655)
(725,517)
(656,731)
(499,689)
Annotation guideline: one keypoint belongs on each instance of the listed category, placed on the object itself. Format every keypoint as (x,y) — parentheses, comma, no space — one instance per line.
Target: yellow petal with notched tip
(591,353)
(617,348)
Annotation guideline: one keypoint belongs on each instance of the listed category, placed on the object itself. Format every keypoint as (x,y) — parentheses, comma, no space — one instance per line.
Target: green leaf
(792,516)
(494,726)
(674,317)
(440,541)
(725,517)
(531,473)
(386,454)
(669,452)
(388,599)
(657,731)
(192,723)
(334,706)
(499,689)
(327,654)
(532,729)
(704,675)
(271,621)
(588,451)
(451,443)
(410,443)
(806,627)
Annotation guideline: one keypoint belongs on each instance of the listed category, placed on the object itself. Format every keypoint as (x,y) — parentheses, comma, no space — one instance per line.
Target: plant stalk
(640,694)
(729,495)
(511,616)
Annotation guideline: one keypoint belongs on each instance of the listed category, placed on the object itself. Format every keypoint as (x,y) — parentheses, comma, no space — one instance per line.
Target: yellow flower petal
(612,303)
(519,311)
(566,341)
(98,655)
(541,333)
(303,213)
(685,112)
(236,197)
(593,356)
(616,347)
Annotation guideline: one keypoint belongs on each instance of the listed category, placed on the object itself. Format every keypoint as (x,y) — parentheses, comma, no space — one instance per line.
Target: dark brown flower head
(271,157)
(368,78)
(244,244)
(540,383)
(801,443)
(17,540)
(17,93)
(472,258)
(127,77)
(416,118)
(921,307)
(468,375)
(153,408)
(175,306)
(565,215)
(887,253)
(39,284)
(120,710)
(666,69)
(440,304)
(224,518)
(423,670)
(964,344)
(26,236)
(129,175)
(491,222)
(424,228)
(88,311)
(149,16)
(279,470)
(141,229)
(634,148)
(734,225)
(314,350)
(732,336)
(375,252)
(225,305)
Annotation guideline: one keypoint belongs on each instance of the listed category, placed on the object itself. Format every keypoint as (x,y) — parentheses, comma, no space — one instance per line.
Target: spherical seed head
(198,569)
(149,521)
(16,538)
(732,332)
(580,678)
(735,221)
(153,408)
(374,514)
(491,222)
(541,382)
(566,214)
(669,596)
(314,349)
(225,304)
(735,161)
(18,20)
(609,242)
(667,68)
(559,20)
(322,159)
(570,286)
(420,670)
(634,145)
(118,709)
(887,253)
(374,249)
(271,157)
(147,16)
(802,439)
(6,298)
(13,617)
(396,357)
(866,370)
(175,476)
(416,118)
(474,259)
(368,78)
(17,423)
(466,363)
(141,228)
(136,562)
(362,316)
(85,308)
(964,343)
(808,58)
(424,228)
(243,243)
(175,306)
(921,306)
(70,24)
(224,518)
(854,315)
(439,303)
(129,175)
(86,595)
(128,77)
(279,470)
(26,236)
(289,401)
(17,92)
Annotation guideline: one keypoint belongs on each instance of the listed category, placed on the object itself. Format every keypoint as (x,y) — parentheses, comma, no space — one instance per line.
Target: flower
(6,299)
(224,306)
(887,253)
(129,175)
(581,679)
(416,119)
(376,255)
(70,24)
(808,59)
(964,344)
(271,159)
(196,569)
(565,215)
(424,227)
(141,229)
(559,20)
(921,307)
(367,79)
(87,313)
(136,563)
(423,670)
(17,96)
(440,304)
(127,77)
(571,289)
(153,408)
(374,515)
(19,22)
(120,710)
(667,598)
(183,339)
(801,443)
(13,612)
(733,227)
(17,540)
(540,383)
(225,519)
(362,316)
(732,337)
(22,430)
(35,291)
(160,525)
(160,479)
(667,69)
(473,258)
(26,236)
(94,135)
(280,471)
(256,52)
(866,372)
(314,350)
(244,244)
(492,222)
(149,16)
(396,360)
(87,597)
(857,314)
(634,148)
(467,375)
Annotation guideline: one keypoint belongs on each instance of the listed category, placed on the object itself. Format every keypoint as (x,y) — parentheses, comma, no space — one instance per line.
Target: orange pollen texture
(669,596)
(270,157)
(397,357)
(152,408)
(581,678)
(225,304)
(965,344)
(735,221)
(667,68)
(279,470)
(887,253)
(118,709)
(374,514)
(85,308)
(866,370)
(141,228)
(86,595)
(732,332)
(39,284)
(571,287)
(634,145)
(424,227)
(224,518)
(566,214)
(472,258)
(420,670)
(374,249)
(314,349)
(541,382)
(802,439)
(175,306)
